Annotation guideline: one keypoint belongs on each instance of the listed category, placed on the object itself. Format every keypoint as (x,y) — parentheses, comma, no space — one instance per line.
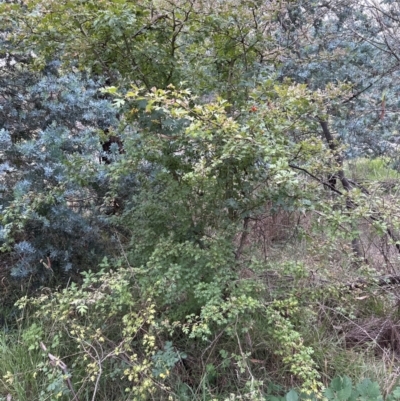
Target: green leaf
(340,389)
(369,391)
(292,396)
(118,102)
(396,393)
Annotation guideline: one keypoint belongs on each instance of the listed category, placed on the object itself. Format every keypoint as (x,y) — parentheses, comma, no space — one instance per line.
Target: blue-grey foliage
(52,184)
(355,43)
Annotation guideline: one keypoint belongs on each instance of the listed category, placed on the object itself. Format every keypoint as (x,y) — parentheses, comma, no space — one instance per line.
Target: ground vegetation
(199,200)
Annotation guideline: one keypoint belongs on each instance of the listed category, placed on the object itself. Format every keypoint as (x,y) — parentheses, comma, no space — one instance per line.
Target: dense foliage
(199,200)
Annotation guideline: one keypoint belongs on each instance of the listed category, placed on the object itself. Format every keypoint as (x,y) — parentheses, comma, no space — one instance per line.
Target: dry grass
(382,334)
